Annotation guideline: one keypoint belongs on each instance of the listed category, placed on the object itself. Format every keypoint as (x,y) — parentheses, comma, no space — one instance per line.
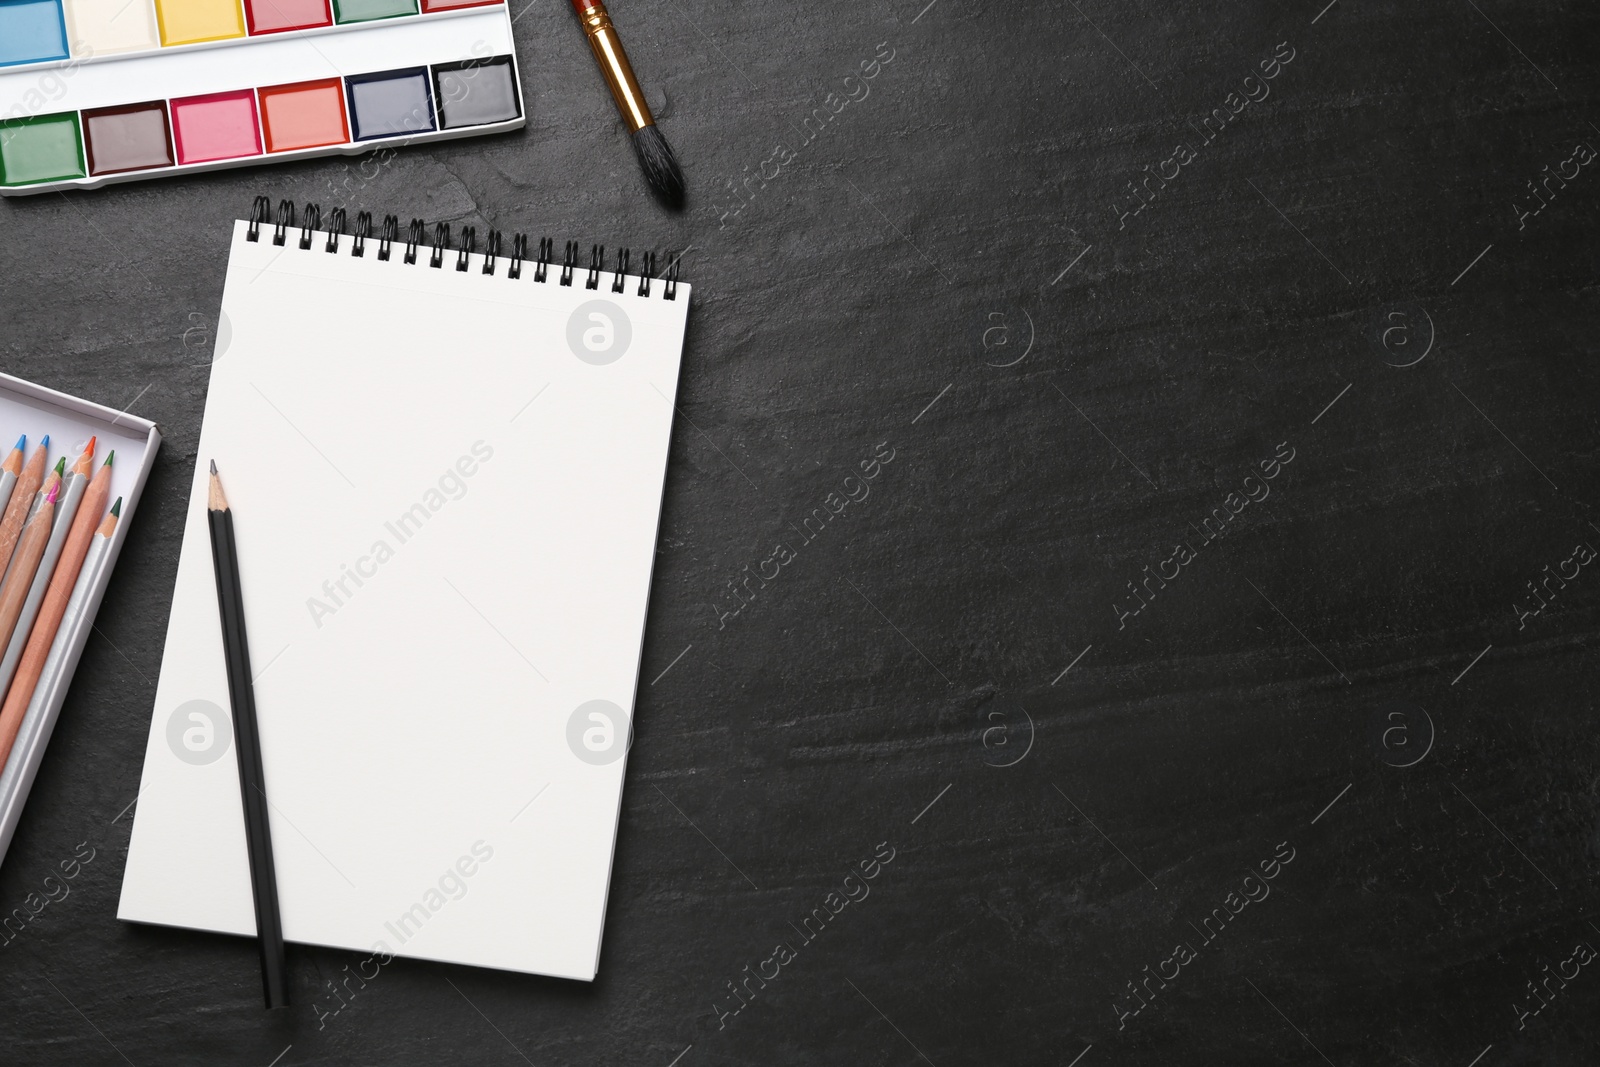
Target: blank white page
(446,490)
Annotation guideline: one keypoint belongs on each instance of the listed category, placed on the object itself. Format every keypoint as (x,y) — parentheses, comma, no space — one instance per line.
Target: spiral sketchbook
(445,464)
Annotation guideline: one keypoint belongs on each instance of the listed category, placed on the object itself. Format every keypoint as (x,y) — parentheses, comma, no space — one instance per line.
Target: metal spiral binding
(617,283)
(313,221)
(441,238)
(647,273)
(519,252)
(568,262)
(258,214)
(465,246)
(419,230)
(491,251)
(335,230)
(285,220)
(391,233)
(547,248)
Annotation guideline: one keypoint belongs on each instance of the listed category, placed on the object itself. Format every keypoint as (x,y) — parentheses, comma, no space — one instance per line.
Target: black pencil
(247,742)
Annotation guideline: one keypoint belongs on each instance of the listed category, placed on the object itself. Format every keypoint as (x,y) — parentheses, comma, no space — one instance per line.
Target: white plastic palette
(98,91)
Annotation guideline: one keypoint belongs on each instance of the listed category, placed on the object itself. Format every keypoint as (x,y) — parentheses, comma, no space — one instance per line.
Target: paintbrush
(656,159)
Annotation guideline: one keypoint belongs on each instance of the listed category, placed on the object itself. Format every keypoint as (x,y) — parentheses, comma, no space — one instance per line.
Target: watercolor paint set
(99,91)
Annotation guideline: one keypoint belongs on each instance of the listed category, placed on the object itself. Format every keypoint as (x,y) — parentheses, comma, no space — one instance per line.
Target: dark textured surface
(972,197)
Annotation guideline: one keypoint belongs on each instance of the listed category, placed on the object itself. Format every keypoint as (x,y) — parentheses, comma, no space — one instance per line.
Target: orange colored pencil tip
(89,448)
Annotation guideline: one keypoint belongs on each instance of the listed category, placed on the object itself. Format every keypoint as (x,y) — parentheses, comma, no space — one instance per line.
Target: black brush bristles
(660,166)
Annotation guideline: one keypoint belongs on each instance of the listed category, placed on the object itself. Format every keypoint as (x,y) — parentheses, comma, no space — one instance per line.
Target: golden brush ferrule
(614,64)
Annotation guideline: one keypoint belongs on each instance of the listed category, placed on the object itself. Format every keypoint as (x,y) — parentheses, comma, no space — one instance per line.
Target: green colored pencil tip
(110,456)
(116,509)
(61,465)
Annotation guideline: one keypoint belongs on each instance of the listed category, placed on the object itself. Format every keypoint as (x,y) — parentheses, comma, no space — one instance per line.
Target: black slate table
(1207,672)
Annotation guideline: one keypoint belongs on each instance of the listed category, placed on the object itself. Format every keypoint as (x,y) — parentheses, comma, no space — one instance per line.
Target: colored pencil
(247,744)
(71,543)
(54,677)
(51,480)
(72,493)
(17,507)
(9,471)
(82,469)
(24,561)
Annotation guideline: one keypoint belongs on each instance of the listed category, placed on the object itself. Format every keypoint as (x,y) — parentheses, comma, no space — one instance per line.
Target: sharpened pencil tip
(45,442)
(61,465)
(216,498)
(116,509)
(89,448)
(55,491)
(110,456)
(21,441)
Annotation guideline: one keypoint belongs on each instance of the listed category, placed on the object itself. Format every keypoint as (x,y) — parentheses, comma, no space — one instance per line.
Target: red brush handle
(583,7)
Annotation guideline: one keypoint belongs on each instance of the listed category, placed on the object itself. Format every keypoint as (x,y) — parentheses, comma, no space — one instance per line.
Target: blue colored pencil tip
(46,442)
(21,441)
